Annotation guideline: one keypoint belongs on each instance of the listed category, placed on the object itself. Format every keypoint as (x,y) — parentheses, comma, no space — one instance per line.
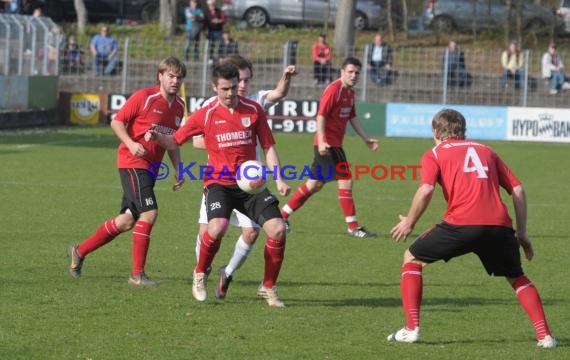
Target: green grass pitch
(342,294)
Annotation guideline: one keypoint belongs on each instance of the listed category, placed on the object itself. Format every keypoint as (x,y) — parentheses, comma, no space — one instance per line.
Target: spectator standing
(380,60)
(512,63)
(228,46)
(104,49)
(553,69)
(454,58)
(194,24)
(322,55)
(215,20)
(11,6)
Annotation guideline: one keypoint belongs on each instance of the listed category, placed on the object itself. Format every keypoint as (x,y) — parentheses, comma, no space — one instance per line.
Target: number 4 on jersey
(473,158)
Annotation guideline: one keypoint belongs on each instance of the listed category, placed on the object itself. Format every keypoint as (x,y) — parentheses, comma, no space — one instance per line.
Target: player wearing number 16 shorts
(159,108)
(476,221)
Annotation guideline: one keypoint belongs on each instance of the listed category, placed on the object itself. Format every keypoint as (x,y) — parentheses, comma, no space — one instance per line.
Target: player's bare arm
(420,203)
(166,141)
(370,142)
(282,88)
(323,146)
(272,159)
(137,149)
(198,142)
(175,158)
(519,204)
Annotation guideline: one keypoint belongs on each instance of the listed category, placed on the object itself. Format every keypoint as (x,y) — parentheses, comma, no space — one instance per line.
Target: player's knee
(315,186)
(408,257)
(250,235)
(217,228)
(149,216)
(275,229)
(125,223)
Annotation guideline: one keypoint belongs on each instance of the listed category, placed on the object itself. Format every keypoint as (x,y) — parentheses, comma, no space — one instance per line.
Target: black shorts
(496,246)
(222,200)
(325,167)
(138,191)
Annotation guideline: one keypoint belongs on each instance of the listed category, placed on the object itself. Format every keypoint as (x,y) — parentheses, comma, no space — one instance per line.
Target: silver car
(448,15)
(564,12)
(258,13)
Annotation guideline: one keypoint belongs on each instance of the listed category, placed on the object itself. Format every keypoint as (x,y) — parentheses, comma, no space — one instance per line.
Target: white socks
(241,251)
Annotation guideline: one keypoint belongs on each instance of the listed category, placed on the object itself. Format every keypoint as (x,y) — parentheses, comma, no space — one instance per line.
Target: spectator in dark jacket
(454,61)
(228,46)
(215,20)
(380,62)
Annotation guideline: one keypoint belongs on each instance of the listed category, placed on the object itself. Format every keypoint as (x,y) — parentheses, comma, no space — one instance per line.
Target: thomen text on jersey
(342,171)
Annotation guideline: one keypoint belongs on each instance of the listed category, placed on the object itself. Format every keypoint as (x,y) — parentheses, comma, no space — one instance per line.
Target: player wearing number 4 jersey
(476,221)
(336,110)
(159,108)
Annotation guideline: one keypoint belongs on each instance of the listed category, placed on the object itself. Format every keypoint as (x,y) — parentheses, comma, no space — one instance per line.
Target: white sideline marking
(74,141)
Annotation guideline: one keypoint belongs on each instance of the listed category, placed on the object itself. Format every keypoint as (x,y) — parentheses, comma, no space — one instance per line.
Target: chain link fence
(29,45)
(419,79)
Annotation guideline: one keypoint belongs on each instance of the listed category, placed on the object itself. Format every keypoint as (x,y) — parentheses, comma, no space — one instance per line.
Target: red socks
(348,209)
(141,242)
(411,286)
(208,249)
(532,304)
(299,197)
(274,252)
(105,233)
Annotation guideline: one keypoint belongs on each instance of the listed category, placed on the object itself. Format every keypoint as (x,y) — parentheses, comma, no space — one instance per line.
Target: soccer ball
(250,177)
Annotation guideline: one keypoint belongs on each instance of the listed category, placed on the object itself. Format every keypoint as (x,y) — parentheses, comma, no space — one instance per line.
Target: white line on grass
(59,142)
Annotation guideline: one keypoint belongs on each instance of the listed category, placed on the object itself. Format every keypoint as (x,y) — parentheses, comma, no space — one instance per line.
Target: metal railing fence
(25,41)
(29,45)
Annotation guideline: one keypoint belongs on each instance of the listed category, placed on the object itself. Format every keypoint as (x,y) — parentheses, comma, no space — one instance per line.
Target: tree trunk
(81,12)
(168,15)
(405,18)
(519,21)
(509,6)
(474,11)
(390,21)
(344,27)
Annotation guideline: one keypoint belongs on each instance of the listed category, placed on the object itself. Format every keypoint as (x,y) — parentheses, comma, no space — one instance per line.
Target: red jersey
(230,137)
(470,175)
(337,106)
(146,109)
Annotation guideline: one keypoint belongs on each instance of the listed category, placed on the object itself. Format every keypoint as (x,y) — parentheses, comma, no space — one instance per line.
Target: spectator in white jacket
(553,69)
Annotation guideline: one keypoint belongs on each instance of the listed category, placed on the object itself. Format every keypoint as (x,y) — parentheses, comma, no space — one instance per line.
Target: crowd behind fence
(420,80)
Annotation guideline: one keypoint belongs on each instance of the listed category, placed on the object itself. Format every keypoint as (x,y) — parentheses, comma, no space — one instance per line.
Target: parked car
(462,15)
(109,10)
(258,13)
(563,11)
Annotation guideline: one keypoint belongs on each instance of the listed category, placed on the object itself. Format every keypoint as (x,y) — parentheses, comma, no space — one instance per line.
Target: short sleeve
(430,170)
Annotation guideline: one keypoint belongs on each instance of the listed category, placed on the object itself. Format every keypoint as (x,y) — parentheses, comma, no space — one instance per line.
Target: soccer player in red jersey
(336,110)
(232,125)
(160,108)
(476,221)
(249,229)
